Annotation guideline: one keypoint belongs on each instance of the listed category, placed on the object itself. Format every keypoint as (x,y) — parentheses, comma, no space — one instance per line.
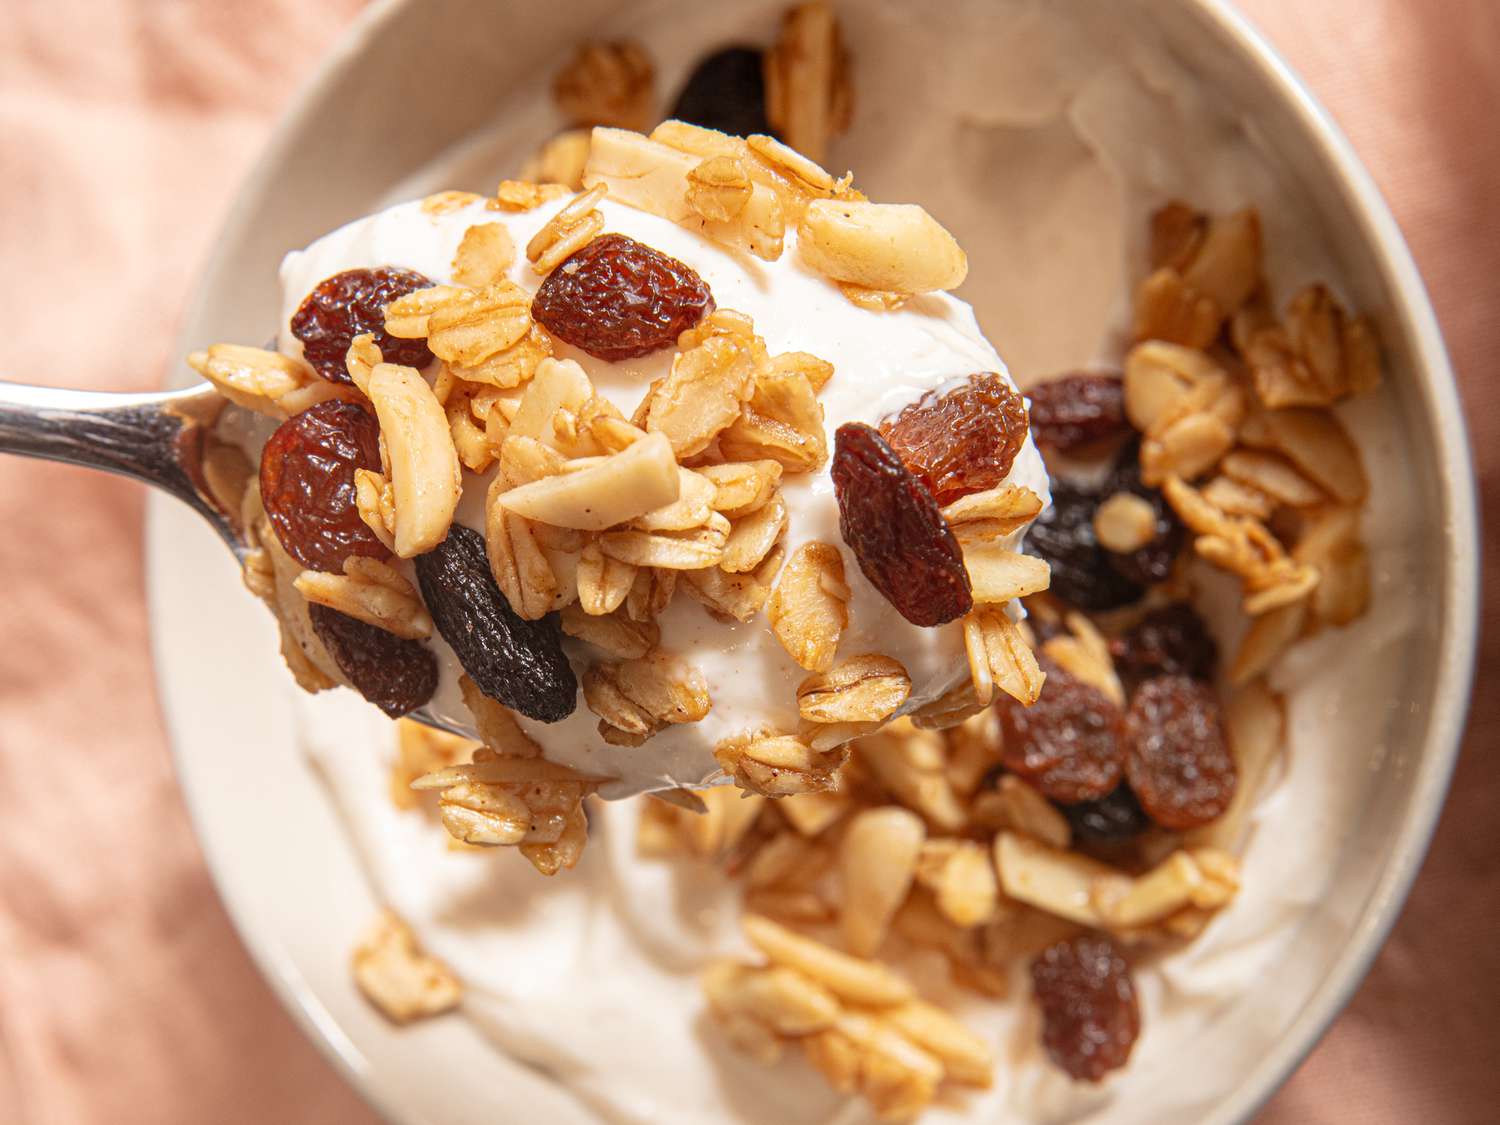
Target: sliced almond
(1318,444)
(877,861)
(656,178)
(997,575)
(850,978)
(967,1058)
(559,384)
(888,246)
(425,475)
(1059,882)
(1162,891)
(1273,475)
(910,764)
(621,487)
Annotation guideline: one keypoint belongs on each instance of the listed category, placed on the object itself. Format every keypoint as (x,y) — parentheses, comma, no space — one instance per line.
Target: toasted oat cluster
(397,977)
(1100,824)
(594,521)
(1076,803)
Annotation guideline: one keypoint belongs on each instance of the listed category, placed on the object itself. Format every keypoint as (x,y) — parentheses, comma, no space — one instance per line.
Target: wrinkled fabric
(125,128)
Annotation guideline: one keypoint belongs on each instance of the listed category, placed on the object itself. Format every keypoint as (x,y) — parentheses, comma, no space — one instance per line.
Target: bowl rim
(1458,636)
(1458,639)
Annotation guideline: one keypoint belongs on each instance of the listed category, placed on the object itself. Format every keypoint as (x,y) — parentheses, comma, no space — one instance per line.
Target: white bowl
(287,873)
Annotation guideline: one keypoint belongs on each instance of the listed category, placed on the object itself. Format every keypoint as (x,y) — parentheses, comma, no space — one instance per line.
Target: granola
(870,817)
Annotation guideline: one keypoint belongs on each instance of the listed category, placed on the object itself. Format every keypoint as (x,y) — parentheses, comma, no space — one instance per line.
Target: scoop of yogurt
(882,362)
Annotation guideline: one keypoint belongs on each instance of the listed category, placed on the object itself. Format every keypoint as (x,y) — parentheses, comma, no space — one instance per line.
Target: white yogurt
(882,361)
(1043,134)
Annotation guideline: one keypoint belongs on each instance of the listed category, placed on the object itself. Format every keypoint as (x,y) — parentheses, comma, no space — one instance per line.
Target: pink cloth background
(125,128)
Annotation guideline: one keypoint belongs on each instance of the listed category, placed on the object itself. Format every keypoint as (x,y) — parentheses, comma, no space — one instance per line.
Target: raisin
(307,483)
(1175,755)
(1171,640)
(395,674)
(892,524)
(727,92)
(1152,563)
(619,299)
(520,663)
(1067,742)
(960,441)
(1090,1014)
(1081,572)
(1074,411)
(349,304)
(1114,817)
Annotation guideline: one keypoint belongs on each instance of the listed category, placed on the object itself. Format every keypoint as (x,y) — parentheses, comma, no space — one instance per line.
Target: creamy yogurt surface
(1043,133)
(882,362)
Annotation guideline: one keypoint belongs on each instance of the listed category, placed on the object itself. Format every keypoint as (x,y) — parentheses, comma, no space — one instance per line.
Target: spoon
(156,437)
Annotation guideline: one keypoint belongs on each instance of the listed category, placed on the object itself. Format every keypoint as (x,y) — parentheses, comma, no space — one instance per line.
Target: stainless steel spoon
(157,438)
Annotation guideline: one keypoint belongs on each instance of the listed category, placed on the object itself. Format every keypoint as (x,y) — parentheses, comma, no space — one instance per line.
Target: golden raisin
(619,299)
(1067,742)
(960,441)
(349,304)
(307,483)
(1090,1014)
(1176,757)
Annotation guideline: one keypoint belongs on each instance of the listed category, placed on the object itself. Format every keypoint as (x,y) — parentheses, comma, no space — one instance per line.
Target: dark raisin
(1081,572)
(307,483)
(1075,411)
(395,674)
(892,524)
(1152,563)
(1175,755)
(1090,1014)
(963,440)
(619,299)
(727,92)
(1067,742)
(1114,817)
(1171,640)
(349,304)
(518,662)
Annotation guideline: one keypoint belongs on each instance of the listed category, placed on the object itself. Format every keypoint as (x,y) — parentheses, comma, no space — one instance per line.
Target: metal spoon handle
(156,438)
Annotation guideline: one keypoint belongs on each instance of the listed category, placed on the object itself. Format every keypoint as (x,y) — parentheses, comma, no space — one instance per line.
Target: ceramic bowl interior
(282,862)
